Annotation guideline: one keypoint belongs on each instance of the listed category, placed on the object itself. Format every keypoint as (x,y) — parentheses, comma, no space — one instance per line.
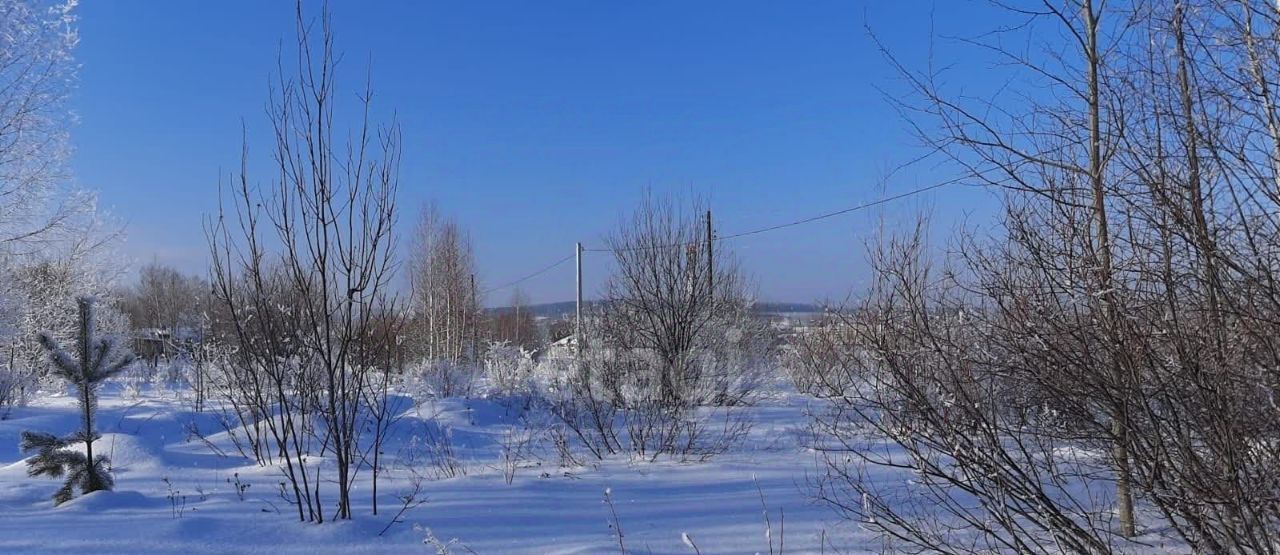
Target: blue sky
(537,124)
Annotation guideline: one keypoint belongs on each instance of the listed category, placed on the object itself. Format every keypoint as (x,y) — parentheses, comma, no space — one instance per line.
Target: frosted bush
(508,368)
(440,379)
(15,385)
(166,375)
(816,360)
(551,375)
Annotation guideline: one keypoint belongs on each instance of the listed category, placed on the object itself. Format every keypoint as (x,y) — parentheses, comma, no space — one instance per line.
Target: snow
(662,507)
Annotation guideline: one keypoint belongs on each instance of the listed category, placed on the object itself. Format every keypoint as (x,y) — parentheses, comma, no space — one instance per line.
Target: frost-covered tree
(46,226)
(97,360)
(37,73)
(39,293)
(508,367)
(10,384)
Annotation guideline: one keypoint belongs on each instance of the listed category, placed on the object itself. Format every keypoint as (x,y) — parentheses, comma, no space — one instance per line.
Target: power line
(758,231)
(863,206)
(548,268)
(810,219)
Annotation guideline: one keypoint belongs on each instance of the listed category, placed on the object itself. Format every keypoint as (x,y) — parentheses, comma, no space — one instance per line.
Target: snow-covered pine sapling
(98,360)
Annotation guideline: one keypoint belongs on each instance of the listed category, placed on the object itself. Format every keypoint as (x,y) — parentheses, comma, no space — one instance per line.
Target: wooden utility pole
(577,319)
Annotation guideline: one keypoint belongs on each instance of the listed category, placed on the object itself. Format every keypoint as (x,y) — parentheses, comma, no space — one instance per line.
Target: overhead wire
(811,219)
(776,227)
(747,233)
(544,270)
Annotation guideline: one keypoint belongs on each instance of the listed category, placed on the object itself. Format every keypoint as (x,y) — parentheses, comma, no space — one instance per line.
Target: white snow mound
(106,501)
(127,452)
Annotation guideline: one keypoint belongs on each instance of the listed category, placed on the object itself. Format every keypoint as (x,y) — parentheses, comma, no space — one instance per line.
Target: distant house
(153,344)
(562,349)
(150,344)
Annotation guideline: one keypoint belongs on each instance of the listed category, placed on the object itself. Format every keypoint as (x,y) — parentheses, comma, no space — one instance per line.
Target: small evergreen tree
(99,359)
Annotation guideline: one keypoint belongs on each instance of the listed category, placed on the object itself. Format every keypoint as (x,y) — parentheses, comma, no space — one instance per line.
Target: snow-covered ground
(546,509)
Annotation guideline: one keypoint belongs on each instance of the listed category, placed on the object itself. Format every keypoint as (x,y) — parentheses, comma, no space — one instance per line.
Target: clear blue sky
(537,124)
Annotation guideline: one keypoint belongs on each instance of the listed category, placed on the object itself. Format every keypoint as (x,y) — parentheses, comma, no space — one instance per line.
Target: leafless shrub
(442,547)
(299,271)
(616,407)
(508,369)
(1108,355)
(615,524)
(929,394)
(442,379)
(410,498)
(815,358)
(672,350)
(516,448)
(435,442)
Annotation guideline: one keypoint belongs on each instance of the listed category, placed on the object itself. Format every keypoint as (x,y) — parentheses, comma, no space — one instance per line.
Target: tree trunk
(1119,426)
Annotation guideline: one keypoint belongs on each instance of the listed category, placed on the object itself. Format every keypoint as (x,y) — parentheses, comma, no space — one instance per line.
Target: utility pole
(711,268)
(577,320)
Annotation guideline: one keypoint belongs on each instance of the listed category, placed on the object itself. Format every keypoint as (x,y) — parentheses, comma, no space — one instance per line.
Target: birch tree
(441,267)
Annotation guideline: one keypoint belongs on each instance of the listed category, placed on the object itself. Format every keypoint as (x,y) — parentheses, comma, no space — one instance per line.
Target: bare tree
(672,335)
(165,298)
(665,298)
(381,355)
(1061,152)
(331,211)
(515,324)
(1113,343)
(167,309)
